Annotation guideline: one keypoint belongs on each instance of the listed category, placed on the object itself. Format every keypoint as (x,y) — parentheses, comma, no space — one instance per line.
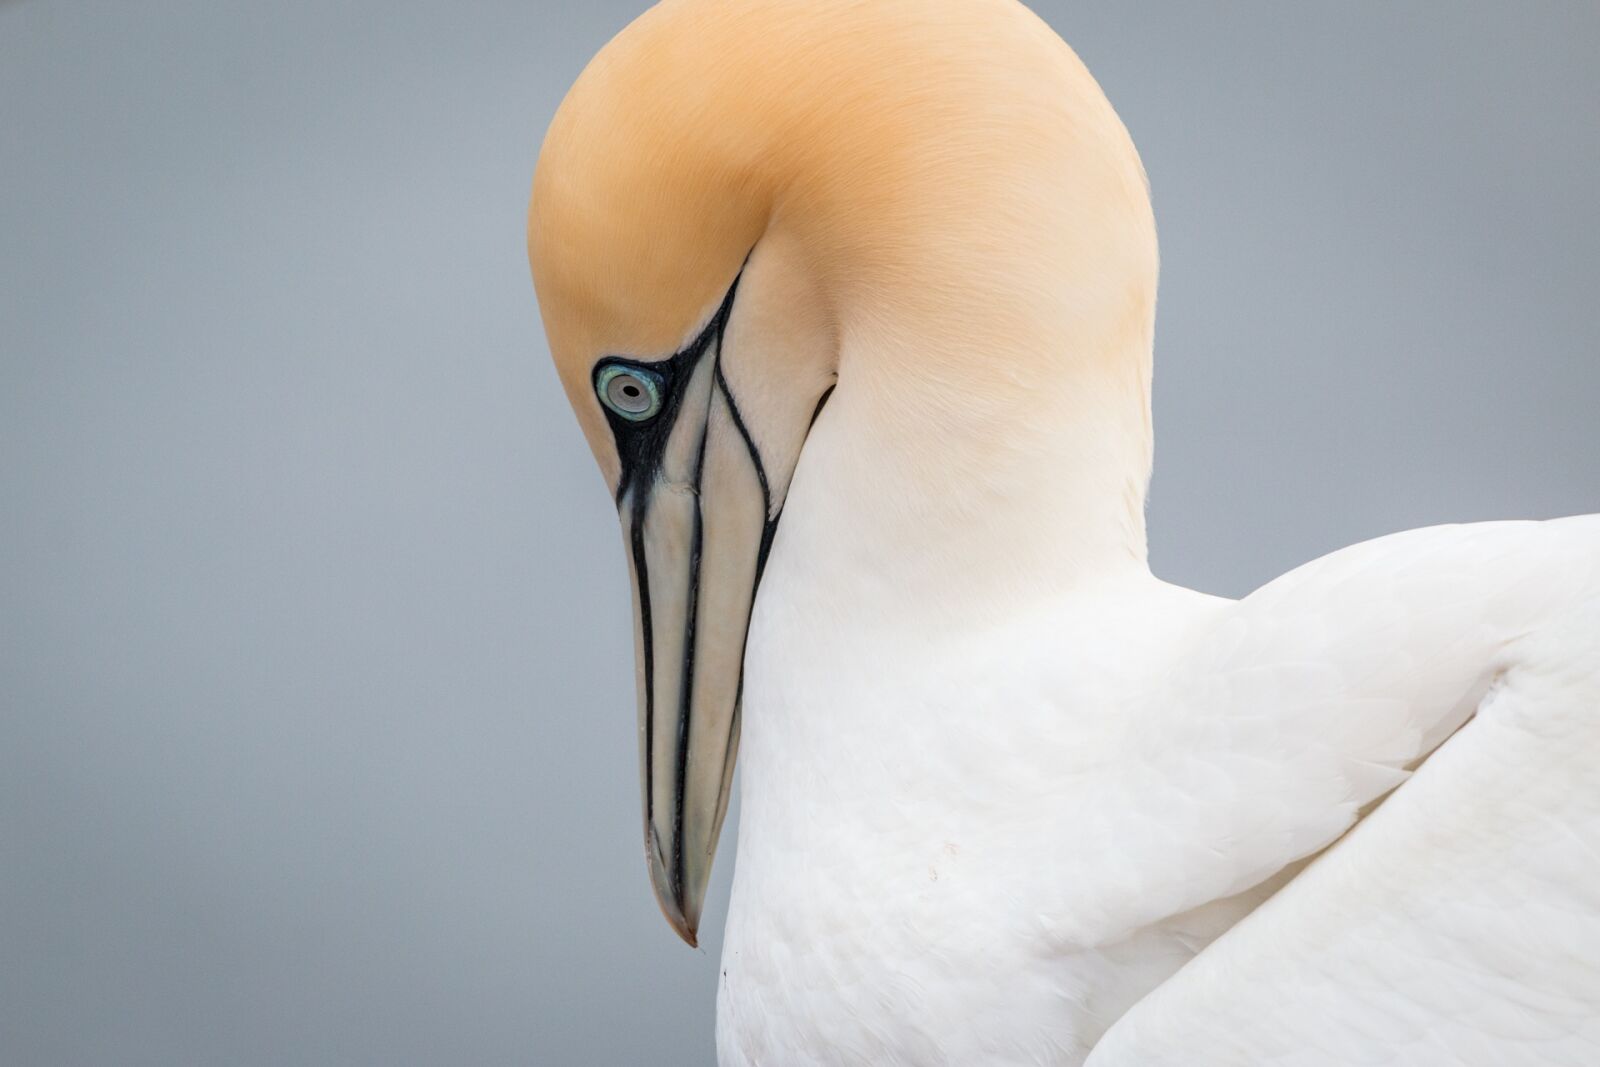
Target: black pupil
(630,390)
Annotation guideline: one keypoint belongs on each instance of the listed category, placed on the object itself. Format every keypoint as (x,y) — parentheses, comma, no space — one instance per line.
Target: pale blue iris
(632,392)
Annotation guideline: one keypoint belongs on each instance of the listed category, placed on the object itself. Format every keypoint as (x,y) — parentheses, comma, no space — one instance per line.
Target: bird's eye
(632,392)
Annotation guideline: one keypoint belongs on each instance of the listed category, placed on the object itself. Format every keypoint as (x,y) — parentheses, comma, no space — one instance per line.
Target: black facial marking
(641,572)
(822,402)
(641,444)
(686,689)
(641,447)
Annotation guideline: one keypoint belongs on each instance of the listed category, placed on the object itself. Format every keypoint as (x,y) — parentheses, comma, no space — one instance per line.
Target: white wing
(1460,923)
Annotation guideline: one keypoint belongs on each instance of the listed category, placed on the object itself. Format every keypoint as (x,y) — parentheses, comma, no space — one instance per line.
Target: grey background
(316,707)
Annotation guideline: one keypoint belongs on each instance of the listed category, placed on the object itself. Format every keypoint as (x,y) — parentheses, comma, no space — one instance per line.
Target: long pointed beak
(697,526)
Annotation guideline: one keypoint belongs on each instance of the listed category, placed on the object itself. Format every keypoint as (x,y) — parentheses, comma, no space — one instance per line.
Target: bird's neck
(931,512)
(935,522)
(937,490)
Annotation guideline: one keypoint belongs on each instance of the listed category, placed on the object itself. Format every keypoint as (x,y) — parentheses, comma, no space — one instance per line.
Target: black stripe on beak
(641,447)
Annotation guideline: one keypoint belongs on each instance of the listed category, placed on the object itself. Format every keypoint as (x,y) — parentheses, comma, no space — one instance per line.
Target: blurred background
(316,682)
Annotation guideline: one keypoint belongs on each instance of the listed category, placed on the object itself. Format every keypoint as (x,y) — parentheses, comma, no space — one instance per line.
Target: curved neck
(993,304)
(937,488)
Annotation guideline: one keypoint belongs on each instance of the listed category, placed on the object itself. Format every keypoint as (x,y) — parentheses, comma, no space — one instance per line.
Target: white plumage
(1459,924)
(1008,841)
(886,270)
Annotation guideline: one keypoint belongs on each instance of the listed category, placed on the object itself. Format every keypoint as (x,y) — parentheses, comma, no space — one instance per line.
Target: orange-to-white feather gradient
(887,269)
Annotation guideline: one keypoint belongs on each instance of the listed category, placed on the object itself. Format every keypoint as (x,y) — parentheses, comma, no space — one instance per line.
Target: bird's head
(733,205)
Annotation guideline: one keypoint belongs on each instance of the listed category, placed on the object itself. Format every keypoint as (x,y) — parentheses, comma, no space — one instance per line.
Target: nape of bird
(854,301)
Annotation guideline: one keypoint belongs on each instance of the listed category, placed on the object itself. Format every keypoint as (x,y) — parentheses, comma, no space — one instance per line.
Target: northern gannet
(885,270)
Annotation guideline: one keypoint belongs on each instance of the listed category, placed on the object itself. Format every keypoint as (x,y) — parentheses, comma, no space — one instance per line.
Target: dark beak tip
(671,903)
(681,924)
